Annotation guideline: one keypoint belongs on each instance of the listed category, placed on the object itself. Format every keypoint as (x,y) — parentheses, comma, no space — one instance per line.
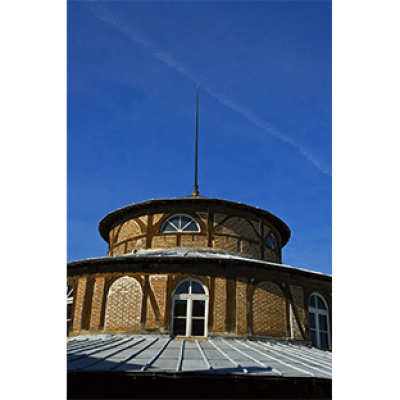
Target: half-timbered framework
(196,268)
(233,250)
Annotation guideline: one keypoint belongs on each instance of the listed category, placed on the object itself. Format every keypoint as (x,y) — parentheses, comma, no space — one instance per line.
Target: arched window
(319,322)
(190,308)
(70,300)
(180,223)
(271,242)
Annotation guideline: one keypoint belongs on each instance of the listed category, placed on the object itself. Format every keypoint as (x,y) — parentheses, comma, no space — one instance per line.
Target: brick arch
(129,229)
(269,310)
(124,305)
(240,227)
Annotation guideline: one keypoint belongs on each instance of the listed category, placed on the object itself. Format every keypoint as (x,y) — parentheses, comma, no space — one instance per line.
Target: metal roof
(192,254)
(157,354)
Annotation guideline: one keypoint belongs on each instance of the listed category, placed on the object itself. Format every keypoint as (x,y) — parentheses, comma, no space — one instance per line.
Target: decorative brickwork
(241,306)
(129,229)
(239,227)
(79,299)
(124,305)
(227,243)
(220,305)
(244,296)
(158,285)
(269,310)
(298,299)
(96,304)
(141,302)
(193,241)
(219,231)
(167,241)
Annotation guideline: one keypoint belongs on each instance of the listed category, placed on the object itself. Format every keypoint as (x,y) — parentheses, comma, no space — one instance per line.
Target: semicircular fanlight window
(180,223)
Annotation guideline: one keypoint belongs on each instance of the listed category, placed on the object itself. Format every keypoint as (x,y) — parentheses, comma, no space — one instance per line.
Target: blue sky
(265,75)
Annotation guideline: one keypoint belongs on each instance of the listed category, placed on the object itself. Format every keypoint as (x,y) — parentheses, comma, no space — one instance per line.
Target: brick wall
(97,303)
(269,310)
(297,306)
(158,284)
(129,229)
(227,243)
(241,306)
(193,241)
(124,304)
(164,241)
(217,231)
(219,305)
(79,298)
(141,302)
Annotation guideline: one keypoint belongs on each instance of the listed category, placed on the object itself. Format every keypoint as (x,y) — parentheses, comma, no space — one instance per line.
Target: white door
(190,309)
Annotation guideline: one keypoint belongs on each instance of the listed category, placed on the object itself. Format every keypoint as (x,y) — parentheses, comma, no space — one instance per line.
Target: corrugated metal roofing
(164,354)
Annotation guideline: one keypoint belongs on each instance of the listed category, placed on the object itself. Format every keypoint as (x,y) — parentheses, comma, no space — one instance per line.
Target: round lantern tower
(195,223)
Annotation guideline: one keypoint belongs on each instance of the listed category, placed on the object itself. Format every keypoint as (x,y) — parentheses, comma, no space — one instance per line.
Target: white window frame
(316,311)
(176,228)
(69,298)
(189,297)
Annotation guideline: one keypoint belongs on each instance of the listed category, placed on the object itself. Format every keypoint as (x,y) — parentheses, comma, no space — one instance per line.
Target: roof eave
(253,263)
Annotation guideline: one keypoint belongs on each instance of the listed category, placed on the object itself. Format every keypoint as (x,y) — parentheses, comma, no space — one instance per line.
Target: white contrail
(270,129)
(171,62)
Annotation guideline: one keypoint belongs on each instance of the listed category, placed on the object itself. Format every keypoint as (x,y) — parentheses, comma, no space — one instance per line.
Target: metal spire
(196,186)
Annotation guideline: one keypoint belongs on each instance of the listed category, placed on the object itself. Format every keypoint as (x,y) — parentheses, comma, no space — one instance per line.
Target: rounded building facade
(197,267)
(195,223)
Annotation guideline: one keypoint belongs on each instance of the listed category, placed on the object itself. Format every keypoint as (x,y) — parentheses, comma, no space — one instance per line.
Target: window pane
(179,326)
(184,221)
(168,228)
(312,320)
(323,337)
(197,288)
(191,227)
(271,242)
(179,223)
(321,304)
(183,288)
(198,308)
(322,322)
(180,308)
(197,327)
(69,311)
(311,301)
(175,221)
(313,338)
